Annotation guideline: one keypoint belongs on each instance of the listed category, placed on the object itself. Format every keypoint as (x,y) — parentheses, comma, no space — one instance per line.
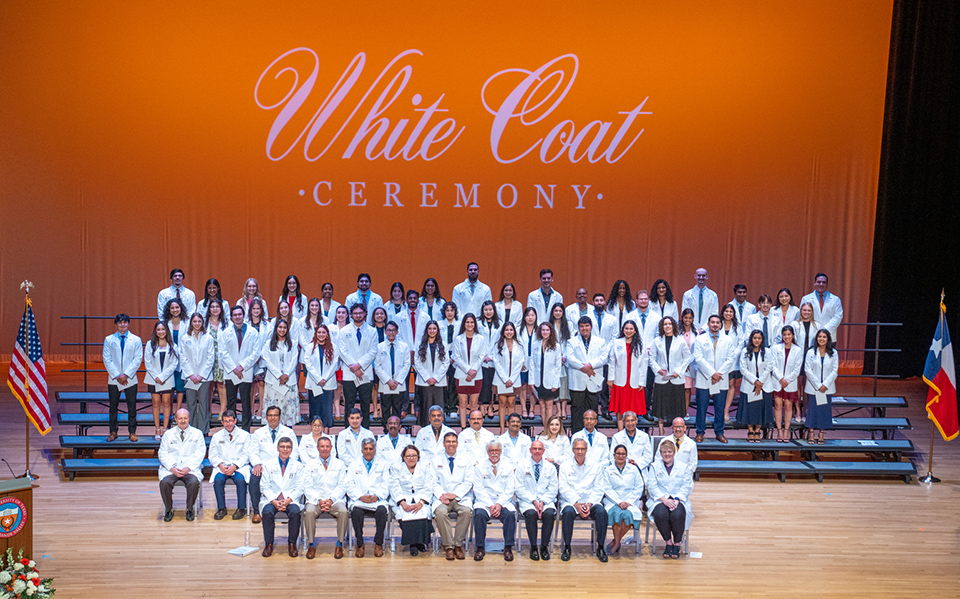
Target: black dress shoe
(221,514)
(414,552)
(190,516)
(508,554)
(602,555)
(168,516)
(478,555)
(534,554)
(239,514)
(544,554)
(565,554)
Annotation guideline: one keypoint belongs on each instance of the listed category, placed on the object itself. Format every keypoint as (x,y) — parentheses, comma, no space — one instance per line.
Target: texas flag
(940,374)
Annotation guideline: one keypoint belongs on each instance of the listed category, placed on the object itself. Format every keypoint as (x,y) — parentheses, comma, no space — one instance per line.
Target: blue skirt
(620,516)
(755,413)
(819,417)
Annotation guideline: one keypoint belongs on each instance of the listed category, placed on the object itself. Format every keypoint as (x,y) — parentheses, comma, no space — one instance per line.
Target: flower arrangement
(20,579)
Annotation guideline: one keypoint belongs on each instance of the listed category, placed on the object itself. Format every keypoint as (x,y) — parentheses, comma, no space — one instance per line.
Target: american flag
(34,401)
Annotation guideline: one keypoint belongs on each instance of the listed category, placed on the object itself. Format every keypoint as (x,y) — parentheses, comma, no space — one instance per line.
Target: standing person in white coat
(178,291)
(764,321)
(211,292)
(606,327)
(411,492)
(324,492)
(430,362)
(265,441)
(688,332)
(648,323)
(293,297)
(741,305)
(363,296)
(251,291)
(431,301)
(282,491)
(494,484)
(582,487)
(196,363)
(470,294)
(468,352)
(785,311)
(412,323)
(240,347)
(805,330)
(620,303)
(701,299)
(715,355)
(218,322)
(280,358)
(586,355)
(369,495)
(622,496)
(508,361)
(328,305)
(392,364)
(181,455)
(122,355)
(669,358)
(350,440)
(564,332)
(177,321)
(663,304)
(321,358)
(305,329)
(731,327)
(827,308)
(756,400)
(509,308)
(537,488)
(638,443)
(449,329)
(545,296)
(358,349)
(627,373)
(787,359)
(160,360)
(544,367)
(488,324)
(453,493)
(307,448)
(256,318)
(823,367)
(578,309)
(669,485)
(230,450)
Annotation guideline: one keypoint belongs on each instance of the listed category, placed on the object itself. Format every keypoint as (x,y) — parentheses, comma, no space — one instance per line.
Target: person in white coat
(358,349)
(280,389)
(321,358)
(160,359)
(514,442)
(122,355)
(230,450)
(281,490)
(662,302)
(586,355)
(764,321)
(369,494)
(537,487)
(251,291)
(620,303)
(470,294)
(622,495)
(627,373)
(429,439)
(293,297)
(785,311)
(598,444)
(212,291)
(638,443)
(715,355)
(822,367)
(363,296)
(578,309)
(669,358)
(453,493)
(474,439)
(756,400)
(669,485)
(196,364)
(544,367)
(181,455)
(391,443)
(324,492)
(328,305)
(392,365)
(412,321)
(582,487)
(177,321)
(509,308)
(307,448)
(509,359)
(827,308)
(787,360)
(431,301)
(493,498)
(544,297)
(239,348)
(265,440)
(468,352)
(648,323)
(701,299)
(685,448)
(176,290)
(805,330)
(555,441)
(350,439)
(411,492)
(430,361)
(743,308)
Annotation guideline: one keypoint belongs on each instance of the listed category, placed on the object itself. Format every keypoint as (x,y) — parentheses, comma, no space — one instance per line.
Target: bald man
(181,454)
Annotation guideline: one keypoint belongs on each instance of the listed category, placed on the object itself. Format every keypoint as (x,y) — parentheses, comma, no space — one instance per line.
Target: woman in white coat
(787,359)
(321,358)
(509,309)
(488,323)
(212,291)
(341,318)
(544,367)
(785,311)
(307,450)
(688,332)
(160,360)
(196,363)
(756,400)
(561,328)
(528,333)
(669,486)
(556,443)
(508,361)
(430,361)
(627,373)
(805,331)
(177,321)
(217,322)
(662,303)
(822,366)
(328,305)
(734,329)
(251,291)
(669,358)
(468,352)
(257,318)
(280,358)
(293,297)
(622,496)
(411,492)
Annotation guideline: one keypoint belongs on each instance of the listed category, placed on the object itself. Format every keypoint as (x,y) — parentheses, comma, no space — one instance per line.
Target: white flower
(18,566)
(19,586)
(33,575)
(30,591)
(30,584)
(32,564)
(5,577)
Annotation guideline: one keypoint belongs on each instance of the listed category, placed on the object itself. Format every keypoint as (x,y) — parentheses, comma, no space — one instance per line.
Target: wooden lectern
(16,516)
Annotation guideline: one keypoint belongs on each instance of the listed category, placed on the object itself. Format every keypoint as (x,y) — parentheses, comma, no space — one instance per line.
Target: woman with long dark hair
(280,358)
(669,358)
(430,363)
(488,324)
(756,400)
(544,364)
(508,361)
(822,367)
(177,321)
(321,361)
(621,302)
(561,327)
(468,352)
(294,298)
(431,301)
(217,322)
(628,373)
(160,359)
(212,291)
(662,303)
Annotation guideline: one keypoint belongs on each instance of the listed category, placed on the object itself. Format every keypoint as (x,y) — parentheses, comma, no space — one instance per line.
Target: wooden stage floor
(104,538)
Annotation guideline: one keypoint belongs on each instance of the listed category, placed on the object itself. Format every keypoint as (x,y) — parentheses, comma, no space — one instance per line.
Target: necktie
(230,435)
(494,469)
(590,436)
(367,464)
(239,337)
(700,308)
(123,342)
(740,306)
(324,464)
(182,435)
(413,325)
(358,335)
(476,436)
(178,295)
(766,335)
(451,464)
(536,471)
(473,288)
(678,442)
(714,337)
(363,297)
(273,435)
(821,301)
(394,441)
(643,319)
(393,365)
(449,334)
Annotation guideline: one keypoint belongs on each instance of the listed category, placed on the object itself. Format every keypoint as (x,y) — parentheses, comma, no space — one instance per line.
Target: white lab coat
(412,487)
(490,489)
(151,363)
(648,330)
(793,313)
(406,333)
(753,367)
(289,481)
(434,312)
(687,452)
(196,358)
(373,301)
(824,373)
(661,312)
(362,352)
(755,322)
(307,449)
(375,482)
(743,311)
(508,364)
(459,482)
(552,366)
(711,305)
(598,452)
(226,451)
(350,445)
(640,450)
(298,312)
(786,367)
(832,314)
(557,450)
(624,486)
(710,361)
(280,361)
(127,362)
(330,315)
(678,483)
(265,448)
(607,329)
(676,363)
(433,366)
(386,449)
(429,445)
(401,365)
(203,307)
(800,334)
(578,356)
(177,453)
(319,483)
(529,489)
(515,452)
(573,316)
(188,298)
(319,368)
(472,442)
(246,356)
(243,303)
(448,332)
(516,312)
(491,335)
(535,300)
(617,372)
(620,316)
(581,483)
(465,361)
(470,303)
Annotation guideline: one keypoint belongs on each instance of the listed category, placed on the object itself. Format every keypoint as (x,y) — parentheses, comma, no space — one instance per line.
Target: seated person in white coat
(368,492)
(265,440)
(715,356)
(669,485)
(586,355)
(430,438)
(230,450)
(122,355)
(453,493)
(598,445)
(392,366)
(181,455)
(176,290)
(582,487)
(307,449)
(637,442)
(324,492)
(474,439)
(827,308)
(622,496)
(537,486)
(282,492)
(684,447)
(516,444)
(493,498)
(391,443)
(411,493)
(350,439)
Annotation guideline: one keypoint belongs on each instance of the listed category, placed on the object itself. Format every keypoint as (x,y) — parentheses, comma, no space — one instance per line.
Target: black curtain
(916,251)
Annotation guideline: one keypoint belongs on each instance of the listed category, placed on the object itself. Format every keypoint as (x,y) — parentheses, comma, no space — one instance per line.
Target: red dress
(626,398)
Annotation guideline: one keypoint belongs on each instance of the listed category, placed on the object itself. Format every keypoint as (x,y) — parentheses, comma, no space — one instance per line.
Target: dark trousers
(450,399)
(219,489)
(703,402)
(244,389)
(392,404)
(597,513)
(429,396)
(269,515)
(670,522)
(354,394)
(486,385)
(379,516)
(166,490)
(649,387)
(130,394)
(530,518)
(580,402)
(605,392)
(507,518)
(254,487)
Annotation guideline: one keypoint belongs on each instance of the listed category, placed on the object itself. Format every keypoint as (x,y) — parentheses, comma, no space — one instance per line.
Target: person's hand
(416,507)
(471,374)
(159,382)
(238,370)
(185,470)
(717,377)
(196,378)
(392,384)
(784,383)
(757,387)
(176,472)
(495,510)
(662,372)
(122,379)
(284,378)
(446,498)
(229,470)
(323,382)
(623,505)
(431,381)
(368,498)
(675,375)
(222,468)
(355,369)
(258,470)
(553,390)
(508,384)
(538,505)
(823,388)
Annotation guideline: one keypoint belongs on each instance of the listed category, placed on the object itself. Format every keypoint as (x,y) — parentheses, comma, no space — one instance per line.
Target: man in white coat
(122,355)
(543,298)
(586,355)
(516,444)
(181,454)
(598,445)
(358,348)
(368,299)
(265,441)
(430,438)
(606,327)
(473,440)
(582,486)
(686,447)
(393,442)
(537,487)
(230,450)
(350,439)
(701,299)
(827,308)
(649,324)
(368,494)
(239,351)
(453,494)
(324,491)
(392,366)
(178,291)
(715,356)
(493,496)
(638,444)
(282,492)
(471,293)
(576,310)
(743,308)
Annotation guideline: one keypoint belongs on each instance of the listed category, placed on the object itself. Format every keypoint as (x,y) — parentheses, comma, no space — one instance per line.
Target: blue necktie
(590,436)
(643,319)
(451,464)
(741,312)
(536,471)
(273,435)
(358,336)
(123,342)
(367,464)
(393,366)
(766,335)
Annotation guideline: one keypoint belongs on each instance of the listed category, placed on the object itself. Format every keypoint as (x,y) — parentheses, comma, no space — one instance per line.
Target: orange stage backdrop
(604,140)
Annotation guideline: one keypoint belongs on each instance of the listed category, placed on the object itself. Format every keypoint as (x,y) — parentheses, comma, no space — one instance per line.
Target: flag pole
(930,478)
(26,286)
